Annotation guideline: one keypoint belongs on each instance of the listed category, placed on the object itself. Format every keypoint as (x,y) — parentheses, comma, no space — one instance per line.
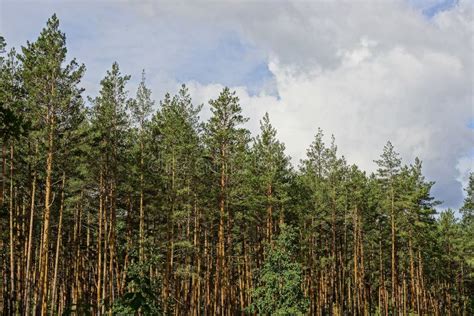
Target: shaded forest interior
(124,206)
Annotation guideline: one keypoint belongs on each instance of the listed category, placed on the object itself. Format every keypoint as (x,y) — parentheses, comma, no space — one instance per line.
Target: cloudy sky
(366,71)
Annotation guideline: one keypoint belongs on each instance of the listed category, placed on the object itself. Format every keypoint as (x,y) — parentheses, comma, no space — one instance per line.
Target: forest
(117,204)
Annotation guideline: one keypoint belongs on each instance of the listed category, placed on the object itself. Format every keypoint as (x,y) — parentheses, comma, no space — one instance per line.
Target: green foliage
(108,114)
(279,281)
(45,70)
(389,162)
(468,207)
(270,171)
(143,294)
(223,132)
(142,106)
(176,153)
(226,150)
(467,229)
(13,113)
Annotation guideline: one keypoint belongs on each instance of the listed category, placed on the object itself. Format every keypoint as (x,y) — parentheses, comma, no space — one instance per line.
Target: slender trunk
(99,244)
(364,291)
(219,286)
(12,241)
(113,225)
(196,278)
(413,296)
(142,213)
(356,268)
(269,212)
(30,241)
(36,272)
(4,171)
(58,245)
(106,238)
(47,210)
(334,271)
(382,289)
(169,278)
(394,256)
(207,304)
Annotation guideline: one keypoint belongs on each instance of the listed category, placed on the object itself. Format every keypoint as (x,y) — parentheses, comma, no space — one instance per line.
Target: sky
(363,71)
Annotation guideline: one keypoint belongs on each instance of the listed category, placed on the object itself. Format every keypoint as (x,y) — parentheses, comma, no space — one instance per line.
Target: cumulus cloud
(366,72)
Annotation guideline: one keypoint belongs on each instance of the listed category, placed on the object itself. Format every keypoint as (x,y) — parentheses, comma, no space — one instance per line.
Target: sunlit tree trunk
(58,246)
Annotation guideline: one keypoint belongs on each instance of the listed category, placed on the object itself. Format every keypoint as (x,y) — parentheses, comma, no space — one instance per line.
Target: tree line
(117,205)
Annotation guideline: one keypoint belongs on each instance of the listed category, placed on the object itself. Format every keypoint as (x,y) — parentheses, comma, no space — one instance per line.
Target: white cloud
(365,71)
(367,74)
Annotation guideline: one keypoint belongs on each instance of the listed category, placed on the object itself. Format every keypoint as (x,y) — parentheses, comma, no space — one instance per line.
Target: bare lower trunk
(12,242)
(142,213)
(99,244)
(58,246)
(30,243)
(47,210)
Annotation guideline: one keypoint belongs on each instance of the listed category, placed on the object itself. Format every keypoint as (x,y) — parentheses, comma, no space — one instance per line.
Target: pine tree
(320,177)
(225,140)
(358,192)
(272,168)
(110,124)
(389,168)
(175,132)
(141,109)
(53,96)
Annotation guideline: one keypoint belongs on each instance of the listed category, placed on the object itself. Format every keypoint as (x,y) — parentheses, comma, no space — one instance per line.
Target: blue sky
(431,8)
(364,71)
(109,27)
(122,34)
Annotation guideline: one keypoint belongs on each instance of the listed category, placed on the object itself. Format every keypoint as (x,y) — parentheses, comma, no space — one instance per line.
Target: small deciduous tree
(279,281)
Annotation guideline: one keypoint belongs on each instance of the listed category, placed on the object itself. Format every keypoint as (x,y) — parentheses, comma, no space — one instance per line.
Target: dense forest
(115,204)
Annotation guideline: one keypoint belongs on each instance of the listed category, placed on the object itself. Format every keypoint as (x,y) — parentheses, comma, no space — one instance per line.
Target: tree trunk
(30,243)
(99,244)
(12,241)
(142,213)
(220,286)
(394,256)
(4,171)
(58,245)
(47,210)
(269,213)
